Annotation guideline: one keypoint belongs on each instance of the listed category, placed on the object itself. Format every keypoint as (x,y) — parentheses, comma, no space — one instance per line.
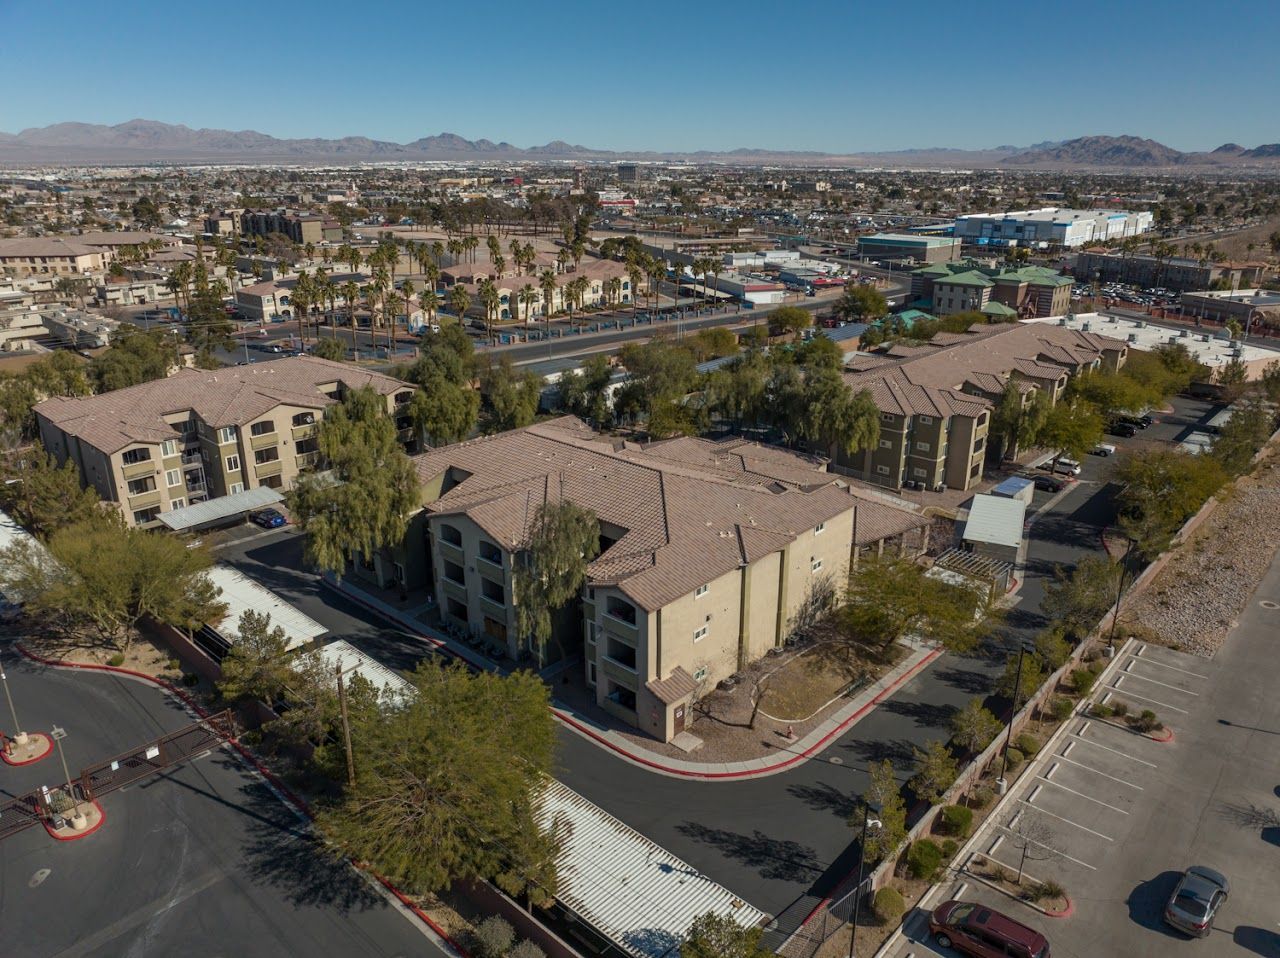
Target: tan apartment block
(709,553)
(200,434)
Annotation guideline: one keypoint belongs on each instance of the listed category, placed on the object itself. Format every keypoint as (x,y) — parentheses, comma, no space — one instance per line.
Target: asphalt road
(203,860)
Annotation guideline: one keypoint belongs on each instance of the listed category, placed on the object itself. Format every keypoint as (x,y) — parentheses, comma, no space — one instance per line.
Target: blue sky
(840,76)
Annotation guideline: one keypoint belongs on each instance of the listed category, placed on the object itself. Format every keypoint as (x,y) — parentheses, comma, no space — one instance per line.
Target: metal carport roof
(210,511)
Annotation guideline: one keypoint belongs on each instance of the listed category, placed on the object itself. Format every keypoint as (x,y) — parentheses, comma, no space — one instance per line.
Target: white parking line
(1052,849)
(1116,750)
(1083,828)
(1090,768)
(1082,795)
(1147,661)
(1145,698)
(1138,675)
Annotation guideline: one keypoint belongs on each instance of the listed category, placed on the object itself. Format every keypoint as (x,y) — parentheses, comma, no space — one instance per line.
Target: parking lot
(1115,816)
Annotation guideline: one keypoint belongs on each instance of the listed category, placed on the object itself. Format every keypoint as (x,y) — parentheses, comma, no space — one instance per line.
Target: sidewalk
(789,755)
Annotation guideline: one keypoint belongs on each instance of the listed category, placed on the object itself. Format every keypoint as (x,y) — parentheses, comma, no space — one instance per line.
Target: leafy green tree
(550,570)
(60,373)
(586,393)
(719,936)
(1243,435)
(1071,429)
(17,397)
(973,728)
(889,598)
(736,391)
(257,667)
(439,797)
(1078,599)
(42,496)
(1053,648)
(1018,418)
(364,502)
(1160,490)
(1033,676)
(135,356)
(936,770)
(789,319)
(1113,393)
(835,417)
(333,350)
(713,343)
(883,790)
(861,302)
(820,352)
(512,396)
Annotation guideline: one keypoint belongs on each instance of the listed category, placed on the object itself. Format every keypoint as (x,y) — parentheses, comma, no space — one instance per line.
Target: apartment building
(709,553)
(301,228)
(71,255)
(1026,292)
(200,434)
(1175,272)
(935,399)
(599,273)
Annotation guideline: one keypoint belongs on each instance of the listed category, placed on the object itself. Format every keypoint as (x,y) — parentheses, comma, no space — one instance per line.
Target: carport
(241,594)
(224,510)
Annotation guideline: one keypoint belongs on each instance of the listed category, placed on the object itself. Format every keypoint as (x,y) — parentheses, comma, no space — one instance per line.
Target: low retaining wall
(187,652)
(492,900)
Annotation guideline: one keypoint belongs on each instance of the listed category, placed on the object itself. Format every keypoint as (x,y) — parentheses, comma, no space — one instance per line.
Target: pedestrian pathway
(788,756)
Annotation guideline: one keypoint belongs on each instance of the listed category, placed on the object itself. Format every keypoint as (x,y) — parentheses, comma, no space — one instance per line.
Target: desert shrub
(1082,681)
(1096,666)
(1147,722)
(1014,757)
(1062,708)
(1102,710)
(526,949)
(174,665)
(190,679)
(949,848)
(493,937)
(1120,709)
(117,659)
(888,905)
(1047,889)
(956,820)
(924,859)
(982,796)
(1027,744)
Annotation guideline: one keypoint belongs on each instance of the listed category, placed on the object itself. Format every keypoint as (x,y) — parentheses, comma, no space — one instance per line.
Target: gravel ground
(1195,600)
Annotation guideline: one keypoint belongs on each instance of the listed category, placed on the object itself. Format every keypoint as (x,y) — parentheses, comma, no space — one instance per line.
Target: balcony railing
(136,469)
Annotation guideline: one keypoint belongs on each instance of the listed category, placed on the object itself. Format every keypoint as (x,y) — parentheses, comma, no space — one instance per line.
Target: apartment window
(451,535)
(882,470)
(264,456)
(591,673)
(305,447)
(234,488)
(227,434)
(169,448)
(264,428)
(304,419)
(454,573)
(233,463)
(173,477)
(817,530)
(885,444)
(922,447)
(490,553)
(700,591)
(700,633)
(925,420)
(919,473)
(403,398)
(177,503)
(815,564)
(143,516)
(134,456)
(138,486)
(272,482)
(886,417)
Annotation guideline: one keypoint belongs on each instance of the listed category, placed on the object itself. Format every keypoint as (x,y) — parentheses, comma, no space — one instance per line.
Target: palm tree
(715,271)
(495,248)
(391,305)
(354,259)
(527,297)
(489,299)
(459,302)
(437,251)
(635,274)
(499,266)
(430,303)
(562,259)
(406,290)
(547,283)
(310,249)
(351,293)
(657,271)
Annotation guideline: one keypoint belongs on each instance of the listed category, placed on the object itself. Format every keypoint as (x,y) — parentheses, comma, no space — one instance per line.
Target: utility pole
(346,727)
(78,821)
(868,807)
(19,737)
(1001,782)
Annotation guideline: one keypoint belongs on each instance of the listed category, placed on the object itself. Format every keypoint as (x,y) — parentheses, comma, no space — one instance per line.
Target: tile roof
(689,509)
(679,684)
(230,396)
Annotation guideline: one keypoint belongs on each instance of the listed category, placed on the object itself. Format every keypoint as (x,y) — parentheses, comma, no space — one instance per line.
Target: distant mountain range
(149,141)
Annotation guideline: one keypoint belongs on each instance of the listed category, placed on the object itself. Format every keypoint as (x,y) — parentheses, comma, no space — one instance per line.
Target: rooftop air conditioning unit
(1133,337)
(1062,320)
(1184,334)
(1086,326)
(1234,344)
(1141,324)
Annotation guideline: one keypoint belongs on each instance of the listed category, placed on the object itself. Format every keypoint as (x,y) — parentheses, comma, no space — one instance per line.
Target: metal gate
(157,755)
(19,813)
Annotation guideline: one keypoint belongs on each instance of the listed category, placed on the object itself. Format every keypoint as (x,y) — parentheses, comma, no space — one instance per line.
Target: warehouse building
(902,246)
(1050,226)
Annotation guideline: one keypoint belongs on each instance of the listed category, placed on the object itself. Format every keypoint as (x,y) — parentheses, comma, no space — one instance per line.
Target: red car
(974,929)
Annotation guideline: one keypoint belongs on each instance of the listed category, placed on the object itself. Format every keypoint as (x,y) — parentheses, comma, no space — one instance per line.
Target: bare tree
(1029,834)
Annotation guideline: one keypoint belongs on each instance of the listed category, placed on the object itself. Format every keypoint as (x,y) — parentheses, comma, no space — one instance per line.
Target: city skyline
(695,80)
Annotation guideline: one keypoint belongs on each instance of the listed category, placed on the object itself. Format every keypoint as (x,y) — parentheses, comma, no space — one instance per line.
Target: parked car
(1196,899)
(1048,483)
(974,929)
(268,518)
(1063,466)
(1104,449)
(1124,430)
(1140,422)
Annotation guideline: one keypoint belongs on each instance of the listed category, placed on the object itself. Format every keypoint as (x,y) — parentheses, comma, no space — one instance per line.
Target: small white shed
(994,526)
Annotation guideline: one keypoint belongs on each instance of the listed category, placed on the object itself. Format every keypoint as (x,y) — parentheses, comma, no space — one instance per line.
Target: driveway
(1123,815)
(201,860)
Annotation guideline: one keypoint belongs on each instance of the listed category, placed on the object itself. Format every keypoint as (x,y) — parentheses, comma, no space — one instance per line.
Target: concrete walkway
(786,757)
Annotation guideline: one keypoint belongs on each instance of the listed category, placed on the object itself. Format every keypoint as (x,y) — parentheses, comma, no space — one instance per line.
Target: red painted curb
(48,750)
(102,817)
(1165,736)
(1065,913)
(248,756)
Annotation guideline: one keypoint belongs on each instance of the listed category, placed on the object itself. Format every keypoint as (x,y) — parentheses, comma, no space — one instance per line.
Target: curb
(48,742)
(76,836)
(284,790)
(1066,912)
(652,763)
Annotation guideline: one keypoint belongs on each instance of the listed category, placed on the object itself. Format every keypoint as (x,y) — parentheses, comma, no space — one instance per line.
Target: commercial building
(935,399)
(200,434)
(628,173)
(1240,304)
(709,553)
(1050,226)
(1178,273)
(904,246)
(1024,292)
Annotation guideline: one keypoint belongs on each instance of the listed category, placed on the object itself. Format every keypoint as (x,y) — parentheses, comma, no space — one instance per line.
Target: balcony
(263,441)
(628,631)
(303,432)
(308,460)
(145,500)
(620,674)
(192,459)
(454,589)
(491,571)
(450,551)
(139,469)
(494,607)
(272,468)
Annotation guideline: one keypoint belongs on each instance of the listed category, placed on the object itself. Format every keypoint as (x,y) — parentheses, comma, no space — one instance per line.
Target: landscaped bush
(1082,681)
(175,665)
(924,859)
(956,820)
(1014,757)
(1120,709)
(1147,722)
(1096,666)
(982,796)
(117,659)
(1027,744)
(1046,889)
(1062,708)
(1102,710)
(526,949)
(493,937)
(949,848)
(888,905)
(190,679)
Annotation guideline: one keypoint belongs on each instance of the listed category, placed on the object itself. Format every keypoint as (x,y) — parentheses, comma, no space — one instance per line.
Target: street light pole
(1115,617)
(1001,782)
(18,737)
(346,728)
(77,819)
(867,807)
